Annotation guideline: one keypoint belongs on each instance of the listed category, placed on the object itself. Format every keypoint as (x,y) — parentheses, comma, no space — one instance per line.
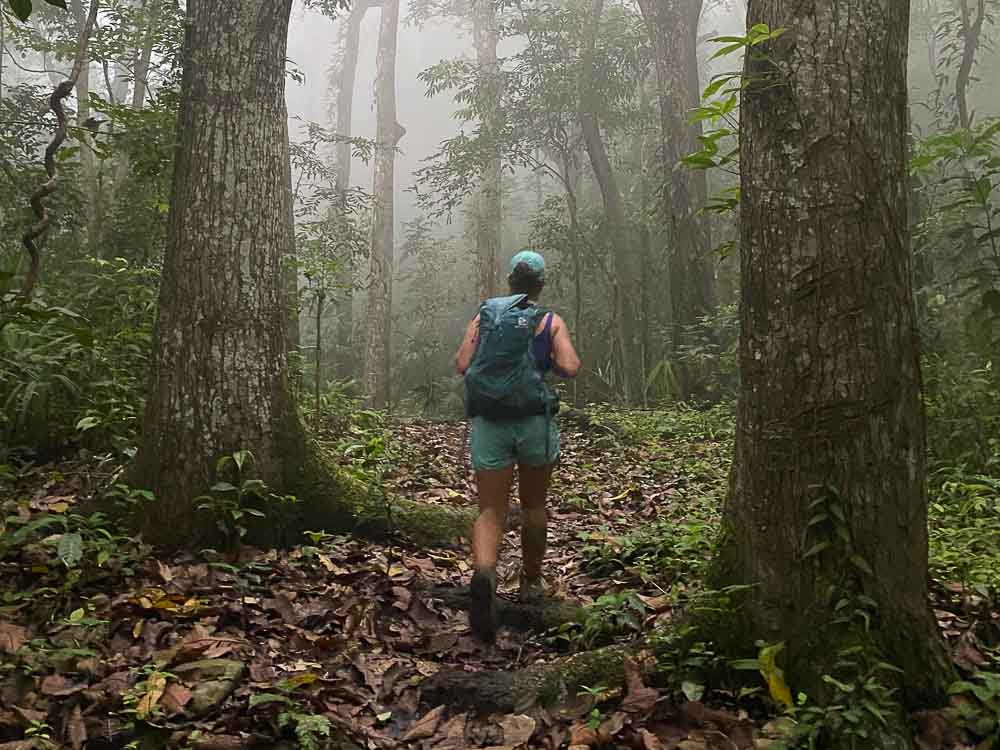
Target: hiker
(507,350)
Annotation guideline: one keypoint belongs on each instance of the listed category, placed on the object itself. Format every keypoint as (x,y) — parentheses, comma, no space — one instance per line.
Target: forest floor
(327,644)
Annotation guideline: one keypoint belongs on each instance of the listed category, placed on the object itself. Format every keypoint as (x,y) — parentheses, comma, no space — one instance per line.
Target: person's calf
(534,534)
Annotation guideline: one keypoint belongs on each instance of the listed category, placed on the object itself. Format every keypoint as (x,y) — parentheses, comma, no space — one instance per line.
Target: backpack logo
(522,322)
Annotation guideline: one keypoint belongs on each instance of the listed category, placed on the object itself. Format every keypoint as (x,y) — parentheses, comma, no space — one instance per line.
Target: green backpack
(503,381)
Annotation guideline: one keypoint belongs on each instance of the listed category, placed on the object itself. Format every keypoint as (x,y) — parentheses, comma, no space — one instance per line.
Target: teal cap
(533,260)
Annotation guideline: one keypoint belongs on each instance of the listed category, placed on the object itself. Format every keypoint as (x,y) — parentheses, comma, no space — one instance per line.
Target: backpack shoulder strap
(494,308)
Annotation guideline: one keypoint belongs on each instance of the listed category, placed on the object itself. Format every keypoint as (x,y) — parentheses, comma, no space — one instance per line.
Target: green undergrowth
(691,450)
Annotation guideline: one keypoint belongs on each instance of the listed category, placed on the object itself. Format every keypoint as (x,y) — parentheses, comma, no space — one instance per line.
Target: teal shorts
(497,444)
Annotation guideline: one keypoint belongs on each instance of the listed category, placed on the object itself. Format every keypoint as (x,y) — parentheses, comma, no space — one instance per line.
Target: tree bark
(971,32)
(831,388)
(346,77)
(88,161)
(219,372)
(626,271)
(378,315)
(489,210)
(673,31)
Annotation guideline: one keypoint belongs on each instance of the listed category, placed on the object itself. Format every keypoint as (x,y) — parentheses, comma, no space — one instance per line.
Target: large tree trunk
(219,373)
(830,404)
(626,271)
(346,76)
(489,198)
(378,315)
(673,30)
(219,381)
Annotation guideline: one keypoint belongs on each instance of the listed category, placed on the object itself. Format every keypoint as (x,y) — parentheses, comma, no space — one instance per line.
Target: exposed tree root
(534,615)
(547,683)
(332,500)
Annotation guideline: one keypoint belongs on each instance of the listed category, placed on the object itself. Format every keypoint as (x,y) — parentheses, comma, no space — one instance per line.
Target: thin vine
(36,233)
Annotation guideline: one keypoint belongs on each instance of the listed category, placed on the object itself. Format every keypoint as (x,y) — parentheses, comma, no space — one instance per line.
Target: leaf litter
(194,652)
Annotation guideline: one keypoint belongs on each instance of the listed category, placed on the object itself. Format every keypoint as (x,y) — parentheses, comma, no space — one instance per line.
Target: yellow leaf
(774,676)
(137,628)
(326,562)
(622,496)
(301,679)
(155,686)
(59,507)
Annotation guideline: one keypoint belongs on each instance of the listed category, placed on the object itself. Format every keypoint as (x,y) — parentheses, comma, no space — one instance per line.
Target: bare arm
(564,357)
(468,348)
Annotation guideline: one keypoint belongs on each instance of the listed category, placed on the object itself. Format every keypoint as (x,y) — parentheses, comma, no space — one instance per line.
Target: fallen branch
(36,232)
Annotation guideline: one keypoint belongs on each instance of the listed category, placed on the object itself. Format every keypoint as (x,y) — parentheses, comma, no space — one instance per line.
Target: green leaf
(861,564)
(692,690)
(745,665)
(815,549)
(70,549)
(76,615)
(21,8)
(262,698)
(57,3)
(223,487)
(87,423)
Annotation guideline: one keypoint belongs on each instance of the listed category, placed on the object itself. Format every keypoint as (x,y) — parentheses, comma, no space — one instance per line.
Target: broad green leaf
(87,423)
(21,8)
(70,549)
(692,690)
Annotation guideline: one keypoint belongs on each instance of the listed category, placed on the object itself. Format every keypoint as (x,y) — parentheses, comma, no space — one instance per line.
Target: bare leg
(533,486)
(494,490)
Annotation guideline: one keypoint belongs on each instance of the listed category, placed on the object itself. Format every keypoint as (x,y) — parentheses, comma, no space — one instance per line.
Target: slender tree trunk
(627,273)
(831,388)
(971,32)
(346,76)
(88,161)
(673,30)
(219,379)
(571,177)
(378,314)
(489,209)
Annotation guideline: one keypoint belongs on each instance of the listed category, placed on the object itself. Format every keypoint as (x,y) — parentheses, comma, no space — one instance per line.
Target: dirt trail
(341,629)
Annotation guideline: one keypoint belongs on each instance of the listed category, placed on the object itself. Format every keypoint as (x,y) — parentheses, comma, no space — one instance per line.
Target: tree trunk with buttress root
(828,501)
(219,380)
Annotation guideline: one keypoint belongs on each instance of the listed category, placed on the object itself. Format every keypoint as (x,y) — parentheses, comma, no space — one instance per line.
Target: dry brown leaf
(57,685)
(155,686)
(426,726)
(517,729)
(76,729)
(581,734)
(12,637)
(454,733)
(404,597)
(649,740)
(175,698)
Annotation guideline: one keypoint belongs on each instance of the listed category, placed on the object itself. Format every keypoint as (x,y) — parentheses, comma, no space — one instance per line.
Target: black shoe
(482,605)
